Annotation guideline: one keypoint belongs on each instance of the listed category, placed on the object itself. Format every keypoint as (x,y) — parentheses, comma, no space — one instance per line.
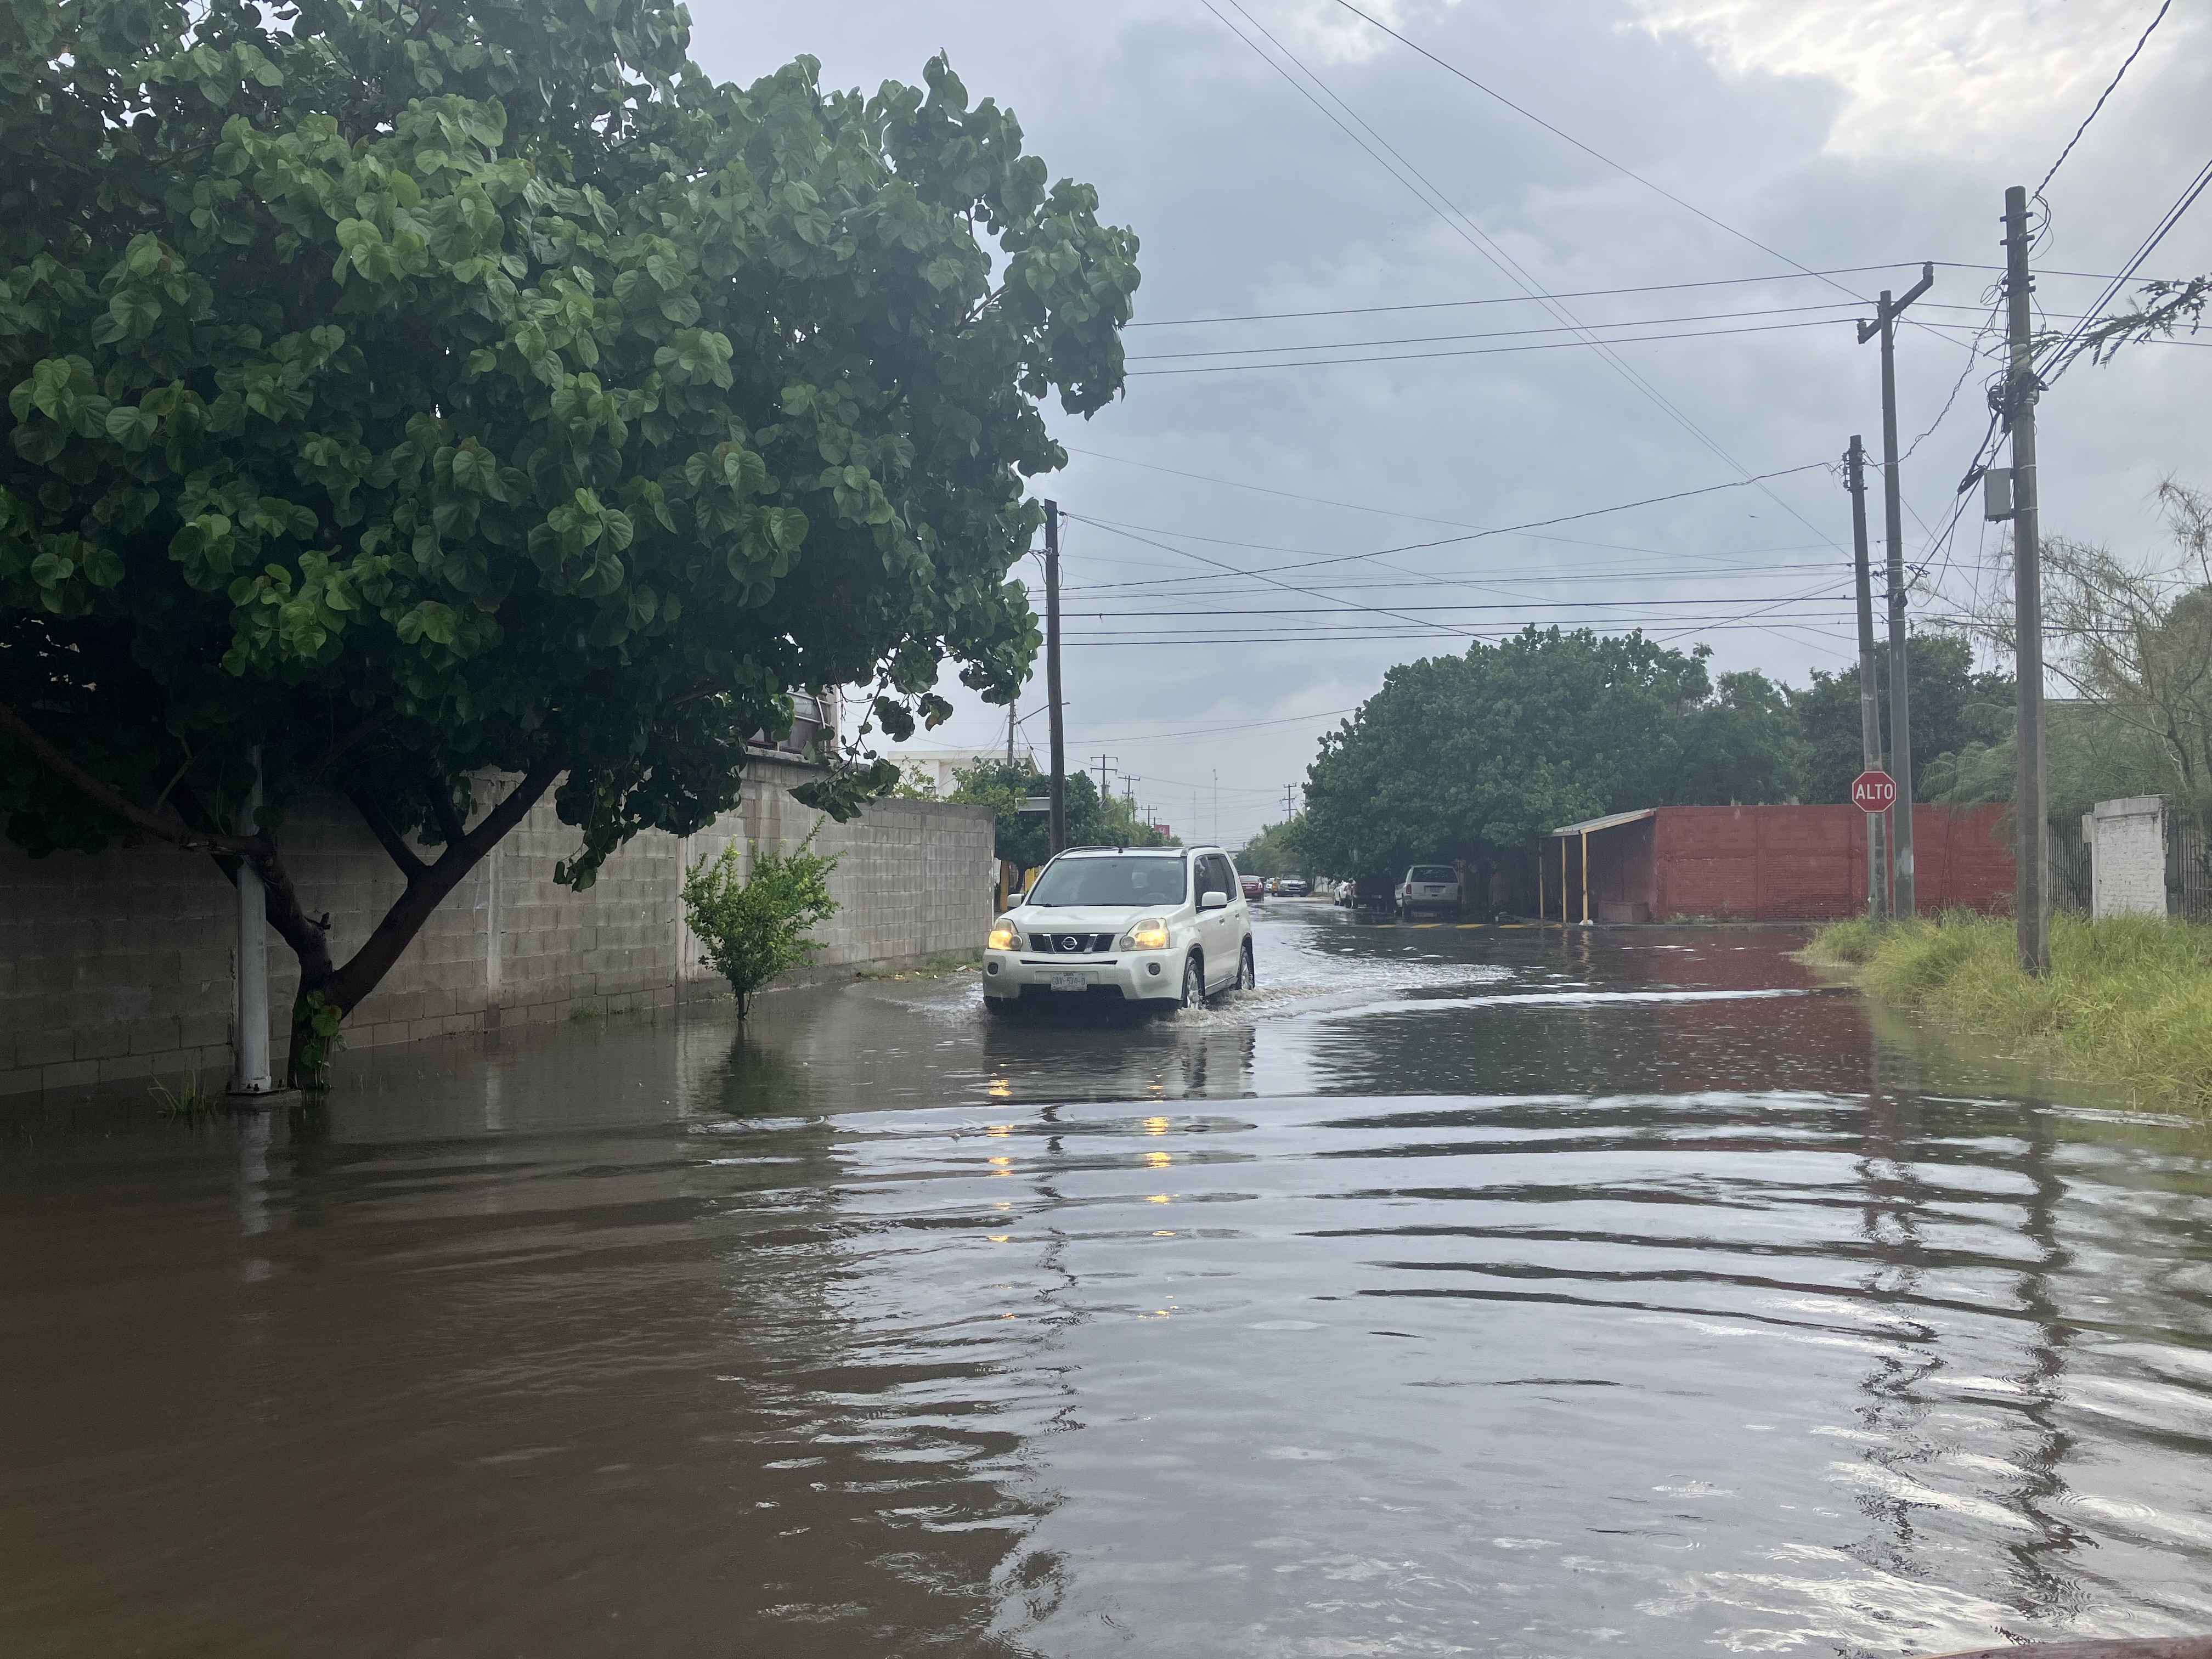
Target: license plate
(1071,981)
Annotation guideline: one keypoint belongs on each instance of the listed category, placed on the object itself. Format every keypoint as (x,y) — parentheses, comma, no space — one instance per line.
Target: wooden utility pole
(1869,707)
(2031,795)
(1052,675)
(1892,506)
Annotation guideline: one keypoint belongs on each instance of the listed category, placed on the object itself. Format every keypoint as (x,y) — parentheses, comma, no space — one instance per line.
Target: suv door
(1219,931)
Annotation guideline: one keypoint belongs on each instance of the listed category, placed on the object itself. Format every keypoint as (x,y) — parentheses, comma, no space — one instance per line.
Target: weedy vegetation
(2128,1000)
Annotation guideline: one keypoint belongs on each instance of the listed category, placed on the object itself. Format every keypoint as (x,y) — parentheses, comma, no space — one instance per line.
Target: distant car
(1429,887)
(1253,888)
(1292,887)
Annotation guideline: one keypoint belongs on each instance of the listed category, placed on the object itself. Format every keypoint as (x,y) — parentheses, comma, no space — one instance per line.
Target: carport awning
(1589,825)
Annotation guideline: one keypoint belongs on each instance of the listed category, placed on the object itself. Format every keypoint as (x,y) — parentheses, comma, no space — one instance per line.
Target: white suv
(1165,926)
(1429,887)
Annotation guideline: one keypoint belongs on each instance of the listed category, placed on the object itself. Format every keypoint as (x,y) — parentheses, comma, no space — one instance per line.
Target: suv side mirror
(1213,900)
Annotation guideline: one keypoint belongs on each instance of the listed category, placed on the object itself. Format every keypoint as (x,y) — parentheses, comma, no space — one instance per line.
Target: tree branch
(511,812)
(179,834)
(388,838)
(442,807)
(330,756)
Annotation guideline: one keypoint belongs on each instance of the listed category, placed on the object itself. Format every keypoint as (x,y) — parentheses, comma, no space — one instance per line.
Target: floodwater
(1459,1291)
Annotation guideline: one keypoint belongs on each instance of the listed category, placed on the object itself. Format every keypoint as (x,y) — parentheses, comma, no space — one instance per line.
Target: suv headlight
(1150,934)
(1003,938)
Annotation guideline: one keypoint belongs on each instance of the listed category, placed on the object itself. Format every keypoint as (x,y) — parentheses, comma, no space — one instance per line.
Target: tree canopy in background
(1954,707)
(1278,850)
(1473,756)
(401,391)
(1476,757)
(1025,838)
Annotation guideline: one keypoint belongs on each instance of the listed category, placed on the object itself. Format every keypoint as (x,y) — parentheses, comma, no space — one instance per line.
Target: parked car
(1252,890)
(1161,927)
(1293,886)
(1428,888)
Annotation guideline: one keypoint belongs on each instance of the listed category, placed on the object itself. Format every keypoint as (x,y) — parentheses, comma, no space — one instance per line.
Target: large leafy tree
(399,391)
(1952,707)
(1474,757)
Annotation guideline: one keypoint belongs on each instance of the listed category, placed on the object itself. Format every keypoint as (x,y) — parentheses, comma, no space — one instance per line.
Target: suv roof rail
(1126,849)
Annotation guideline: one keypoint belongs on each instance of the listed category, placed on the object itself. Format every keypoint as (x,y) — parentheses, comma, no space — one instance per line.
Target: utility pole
(1052,675)
(1869,709)
(1289,811)
(1010,734)
(1892,506)
(2031,793)
(1106,765)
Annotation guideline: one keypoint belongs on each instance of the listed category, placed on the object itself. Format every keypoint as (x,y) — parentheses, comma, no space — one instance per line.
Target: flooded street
(1459,1290)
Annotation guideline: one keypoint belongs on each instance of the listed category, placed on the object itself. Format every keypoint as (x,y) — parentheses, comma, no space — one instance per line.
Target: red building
(1763,864)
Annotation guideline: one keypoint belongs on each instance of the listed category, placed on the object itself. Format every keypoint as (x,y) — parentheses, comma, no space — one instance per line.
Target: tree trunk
(345,987)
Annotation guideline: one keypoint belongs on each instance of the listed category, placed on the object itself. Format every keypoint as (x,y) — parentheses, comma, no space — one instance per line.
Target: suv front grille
(1071,945)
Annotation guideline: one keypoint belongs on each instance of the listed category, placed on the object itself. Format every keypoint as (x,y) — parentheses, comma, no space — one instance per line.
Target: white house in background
(936,769)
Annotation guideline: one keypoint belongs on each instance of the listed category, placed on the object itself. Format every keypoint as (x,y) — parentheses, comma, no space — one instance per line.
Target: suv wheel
(1246,978)
(1194,982)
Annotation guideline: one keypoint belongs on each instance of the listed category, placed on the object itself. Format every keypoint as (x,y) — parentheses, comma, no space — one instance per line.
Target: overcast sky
(1247,149)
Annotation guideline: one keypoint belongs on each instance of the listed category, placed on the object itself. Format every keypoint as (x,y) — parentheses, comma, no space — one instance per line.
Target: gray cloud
(1838,135)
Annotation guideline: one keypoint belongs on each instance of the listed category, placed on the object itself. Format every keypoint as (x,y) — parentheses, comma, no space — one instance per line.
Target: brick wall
(119,965)
(2127,856)
(1808,863)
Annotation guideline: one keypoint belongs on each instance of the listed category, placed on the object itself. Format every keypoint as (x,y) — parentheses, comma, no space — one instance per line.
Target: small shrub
(754,931)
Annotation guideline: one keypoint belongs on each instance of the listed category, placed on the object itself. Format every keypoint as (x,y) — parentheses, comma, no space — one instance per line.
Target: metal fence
(2188,868)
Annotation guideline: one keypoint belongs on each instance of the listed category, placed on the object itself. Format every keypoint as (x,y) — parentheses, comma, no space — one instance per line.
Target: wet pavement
(1459,1290)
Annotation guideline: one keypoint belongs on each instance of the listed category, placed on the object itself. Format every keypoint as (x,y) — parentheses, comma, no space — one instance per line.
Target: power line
(1479,240)
(1213,610)
(1568,541)
(1841,622)
(1502,580)
(1493,351)
(1474,534)
(1488,334)
(1601,293)
(1514,299)
(2125,65)
(2058,358)
(1595,154)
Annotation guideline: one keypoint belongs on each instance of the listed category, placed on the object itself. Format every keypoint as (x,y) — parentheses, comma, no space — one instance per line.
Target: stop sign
(1873,792)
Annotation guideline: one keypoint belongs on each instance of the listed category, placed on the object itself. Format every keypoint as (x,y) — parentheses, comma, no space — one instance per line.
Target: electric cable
(1481,240)
(1494,351)
(2125,65)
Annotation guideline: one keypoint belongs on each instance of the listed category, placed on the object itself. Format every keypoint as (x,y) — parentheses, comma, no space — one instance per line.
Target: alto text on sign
(1873,792)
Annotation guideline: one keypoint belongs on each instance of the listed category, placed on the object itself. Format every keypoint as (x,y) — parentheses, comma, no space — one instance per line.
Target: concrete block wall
(119,965)
(2127,856)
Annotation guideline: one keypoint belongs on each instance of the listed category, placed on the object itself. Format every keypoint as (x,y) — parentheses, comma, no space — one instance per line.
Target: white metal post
(250,1043)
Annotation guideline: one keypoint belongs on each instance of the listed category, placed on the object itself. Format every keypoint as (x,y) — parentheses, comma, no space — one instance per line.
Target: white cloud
(1922,78)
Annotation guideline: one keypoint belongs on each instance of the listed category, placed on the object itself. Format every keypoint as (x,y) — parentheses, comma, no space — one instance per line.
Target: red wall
(1806,863)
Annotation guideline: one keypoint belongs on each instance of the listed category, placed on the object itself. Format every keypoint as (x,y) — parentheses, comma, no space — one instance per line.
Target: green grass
(190,1100)
(2128,1000)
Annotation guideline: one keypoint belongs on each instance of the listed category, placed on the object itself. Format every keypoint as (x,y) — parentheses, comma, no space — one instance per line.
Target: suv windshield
(1111,880)
(1433,873)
